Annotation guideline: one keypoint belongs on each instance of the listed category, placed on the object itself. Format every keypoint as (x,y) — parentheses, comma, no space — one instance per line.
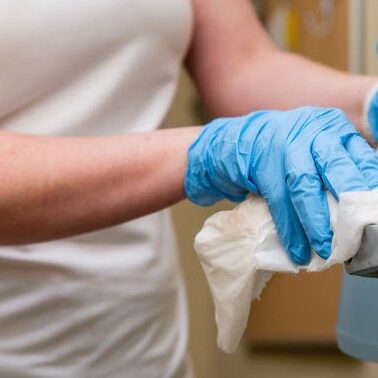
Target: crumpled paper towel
(239,251)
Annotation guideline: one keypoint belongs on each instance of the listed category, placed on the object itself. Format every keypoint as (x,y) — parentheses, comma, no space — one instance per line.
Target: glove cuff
(197,184)
(219,163)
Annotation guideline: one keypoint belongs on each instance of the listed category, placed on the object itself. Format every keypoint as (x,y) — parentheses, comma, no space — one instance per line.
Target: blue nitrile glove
(371,112)
(288,157)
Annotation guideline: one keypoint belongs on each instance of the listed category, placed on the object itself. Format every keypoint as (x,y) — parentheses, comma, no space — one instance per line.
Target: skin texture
(66,187)
(57,187)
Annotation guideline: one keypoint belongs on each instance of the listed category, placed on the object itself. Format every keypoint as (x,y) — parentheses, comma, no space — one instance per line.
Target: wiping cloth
(240,250)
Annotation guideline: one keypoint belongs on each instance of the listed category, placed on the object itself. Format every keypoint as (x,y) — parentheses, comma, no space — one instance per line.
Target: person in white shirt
(90,285)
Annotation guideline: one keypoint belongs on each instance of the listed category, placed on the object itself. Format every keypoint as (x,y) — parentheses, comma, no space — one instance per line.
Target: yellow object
(292,29)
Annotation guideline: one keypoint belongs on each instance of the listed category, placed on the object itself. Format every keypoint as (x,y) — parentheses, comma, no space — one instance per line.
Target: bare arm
(58,187)
(238,69)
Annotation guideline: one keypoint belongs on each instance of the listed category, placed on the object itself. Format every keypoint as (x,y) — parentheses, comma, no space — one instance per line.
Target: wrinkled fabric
(240,250)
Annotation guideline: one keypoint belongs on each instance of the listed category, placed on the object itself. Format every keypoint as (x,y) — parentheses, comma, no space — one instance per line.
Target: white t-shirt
(108,303)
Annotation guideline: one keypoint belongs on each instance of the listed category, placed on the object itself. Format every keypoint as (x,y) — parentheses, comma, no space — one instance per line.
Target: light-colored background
(371,36)
(208,361)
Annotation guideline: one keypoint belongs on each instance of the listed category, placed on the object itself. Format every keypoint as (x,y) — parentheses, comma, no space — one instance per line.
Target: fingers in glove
(336,167)
(365,158)
(289,227)
(309,200)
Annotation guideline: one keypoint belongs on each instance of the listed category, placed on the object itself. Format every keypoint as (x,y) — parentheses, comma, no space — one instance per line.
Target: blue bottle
(357,326)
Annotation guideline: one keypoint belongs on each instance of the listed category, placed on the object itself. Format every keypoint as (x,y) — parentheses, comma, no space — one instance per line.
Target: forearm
(282,81)
(59,187)
(237,68)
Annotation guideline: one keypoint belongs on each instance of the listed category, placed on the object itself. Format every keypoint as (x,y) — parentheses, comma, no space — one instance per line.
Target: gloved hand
(289,157)
(371,113)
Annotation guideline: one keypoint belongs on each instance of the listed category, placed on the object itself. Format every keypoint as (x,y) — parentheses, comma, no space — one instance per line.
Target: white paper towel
(240,250)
